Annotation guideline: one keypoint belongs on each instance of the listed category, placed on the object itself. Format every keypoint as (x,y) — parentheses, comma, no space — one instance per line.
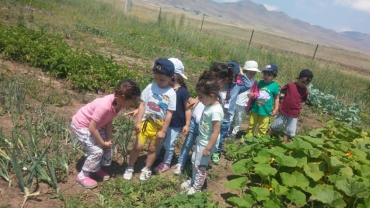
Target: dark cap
(235,66)
(164,66)
(306,73)
(270,68)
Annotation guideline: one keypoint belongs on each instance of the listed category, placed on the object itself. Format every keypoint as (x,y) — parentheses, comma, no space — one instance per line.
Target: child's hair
(181,81)
(221,70)
(207,84)
(306,73)
(128,88)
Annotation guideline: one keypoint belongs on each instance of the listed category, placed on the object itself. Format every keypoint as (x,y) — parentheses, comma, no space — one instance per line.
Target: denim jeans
(170,139)
(238,118)
(223,134)
(189,142)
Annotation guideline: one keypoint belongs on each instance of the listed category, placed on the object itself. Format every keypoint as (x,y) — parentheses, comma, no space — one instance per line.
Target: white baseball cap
(251,66)
(179,67)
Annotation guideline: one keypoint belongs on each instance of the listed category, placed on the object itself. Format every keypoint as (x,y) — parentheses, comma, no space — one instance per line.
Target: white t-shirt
(197,112)
(211,113)
(242,98)
(157,102)
(224,103)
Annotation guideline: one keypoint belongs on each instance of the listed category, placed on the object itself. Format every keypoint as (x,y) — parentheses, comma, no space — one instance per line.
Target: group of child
(224,94)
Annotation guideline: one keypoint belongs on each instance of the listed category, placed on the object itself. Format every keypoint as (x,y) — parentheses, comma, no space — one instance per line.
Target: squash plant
(330,167)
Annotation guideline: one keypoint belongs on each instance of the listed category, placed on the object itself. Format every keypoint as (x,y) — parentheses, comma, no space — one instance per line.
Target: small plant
(198,200)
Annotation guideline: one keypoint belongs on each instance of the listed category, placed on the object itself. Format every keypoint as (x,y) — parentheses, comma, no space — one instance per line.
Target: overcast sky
(339,15)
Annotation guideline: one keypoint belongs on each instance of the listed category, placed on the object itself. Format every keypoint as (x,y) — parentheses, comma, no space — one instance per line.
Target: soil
(11,196)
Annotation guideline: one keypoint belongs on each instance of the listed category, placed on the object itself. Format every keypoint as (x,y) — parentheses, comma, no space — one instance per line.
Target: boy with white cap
(250,69)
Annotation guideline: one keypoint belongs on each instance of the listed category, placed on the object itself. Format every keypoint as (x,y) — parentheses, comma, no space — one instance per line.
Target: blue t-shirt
(178,116)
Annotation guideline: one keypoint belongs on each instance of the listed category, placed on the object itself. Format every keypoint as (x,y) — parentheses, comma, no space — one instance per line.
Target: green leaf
(288,179)
(277,188)
(317,187)
(300,157)
(339,203)
(260,193)
(287,161)
(276,149)
(314,171)
(298,144)
(301,180)
(364,170)
(264,170)
(335,162)
(239,202)
(335,177)
(312,140)
(297,197)
(346,171)
(270,204)
(352,187)
(314,153)
(237,183)
(263,156)
(246,149)
(326,196)
(241,167)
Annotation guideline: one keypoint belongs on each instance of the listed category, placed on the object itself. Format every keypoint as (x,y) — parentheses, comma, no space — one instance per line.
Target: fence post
(250,40)
(202,24)
(159,15)
(313,57)
(128,6)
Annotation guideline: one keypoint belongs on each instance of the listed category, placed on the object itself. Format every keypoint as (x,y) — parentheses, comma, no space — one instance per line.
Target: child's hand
(107,144)
(160,135)
(250,95)
(193,101)
(275,112)
(132,113)
(206,152)
(137,127)
(185,130)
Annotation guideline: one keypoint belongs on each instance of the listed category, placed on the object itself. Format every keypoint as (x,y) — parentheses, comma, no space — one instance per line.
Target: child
(229,105)
(266,99)
(221,72)
(250,69)
(92,125)
(180,118)
(291,105)
(209,131)
(153,117)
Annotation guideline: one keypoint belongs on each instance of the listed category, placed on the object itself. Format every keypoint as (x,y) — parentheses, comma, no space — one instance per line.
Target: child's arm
(109,131)
(95,133)
(246,83)
(212,140)
(185,130)
(276,105)
(167,120)
(193,101)
(139,117)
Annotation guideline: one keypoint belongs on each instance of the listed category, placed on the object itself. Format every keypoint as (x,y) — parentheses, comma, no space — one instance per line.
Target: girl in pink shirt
(92,126)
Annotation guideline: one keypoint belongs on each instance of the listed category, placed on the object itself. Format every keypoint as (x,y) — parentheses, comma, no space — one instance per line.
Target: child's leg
(107,153)
(174,133)
(277,124)
(223,134)
(263,123)
(290,129)
(238,117)
(252,123)
(152,153)
(188,143)
(135,151)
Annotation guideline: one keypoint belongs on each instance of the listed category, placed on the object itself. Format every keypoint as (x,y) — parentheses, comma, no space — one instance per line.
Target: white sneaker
(145,174)
(128,173)
(192,191)
(186,184)
(177,169)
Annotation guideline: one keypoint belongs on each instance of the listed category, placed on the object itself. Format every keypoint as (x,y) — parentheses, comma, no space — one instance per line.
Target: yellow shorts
(148,131)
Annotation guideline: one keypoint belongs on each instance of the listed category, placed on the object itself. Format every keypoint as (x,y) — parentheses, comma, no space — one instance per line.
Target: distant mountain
(255,15)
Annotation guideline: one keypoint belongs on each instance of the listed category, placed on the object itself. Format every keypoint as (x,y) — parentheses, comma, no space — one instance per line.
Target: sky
(338,15)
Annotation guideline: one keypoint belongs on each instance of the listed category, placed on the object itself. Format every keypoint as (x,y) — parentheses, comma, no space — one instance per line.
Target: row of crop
(328,168)
(85,70)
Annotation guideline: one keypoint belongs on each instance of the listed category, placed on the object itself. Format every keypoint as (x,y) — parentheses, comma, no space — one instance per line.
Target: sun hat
(270,68)
(251,66)
(235,66)
(165,66)
(179,67)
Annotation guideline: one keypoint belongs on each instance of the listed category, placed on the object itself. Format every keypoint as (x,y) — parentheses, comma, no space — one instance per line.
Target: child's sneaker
(177,170)
(128,173)
(215,158)
(87,182)
(145,174)
(192,191)
(101,174)
(162,167)
(186,184)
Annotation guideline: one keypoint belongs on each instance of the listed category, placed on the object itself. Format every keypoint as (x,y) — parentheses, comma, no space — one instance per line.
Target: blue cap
(165,66)
(270,68)
(235,66)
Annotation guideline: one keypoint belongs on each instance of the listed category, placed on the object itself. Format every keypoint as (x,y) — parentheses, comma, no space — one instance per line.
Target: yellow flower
(271,160)
(349,154)
(290,152)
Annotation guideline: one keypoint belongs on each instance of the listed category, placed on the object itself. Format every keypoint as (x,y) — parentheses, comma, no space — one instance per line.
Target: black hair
(207,84)
(129,88)
(181,81)
(274,73)
(157,71)
(221,70)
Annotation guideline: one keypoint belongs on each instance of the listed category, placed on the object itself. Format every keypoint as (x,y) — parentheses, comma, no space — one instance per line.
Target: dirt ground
(10,196)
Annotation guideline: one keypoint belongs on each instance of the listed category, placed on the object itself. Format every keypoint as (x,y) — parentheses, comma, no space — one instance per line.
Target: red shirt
(292,102)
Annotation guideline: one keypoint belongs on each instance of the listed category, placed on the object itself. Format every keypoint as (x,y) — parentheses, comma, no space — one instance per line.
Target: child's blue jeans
(189,142)
(223,134)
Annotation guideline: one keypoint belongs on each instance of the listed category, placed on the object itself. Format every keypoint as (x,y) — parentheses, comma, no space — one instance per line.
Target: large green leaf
(326,196)
(239,202)
(297,197)
(314,153)
(247,148)
(298,144)
(314,171)
(346,171)
(288,179)
(264,170)
(312,140)
(277,188)
(242,166)
(364,170)
(301,158)
(270,204)
(339,203)
(237,183)
(352,187)
(301,180)
(335,177)
(335,162)
(260,193)
(276,149)
(317,187)
(287,161)
(263,156)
